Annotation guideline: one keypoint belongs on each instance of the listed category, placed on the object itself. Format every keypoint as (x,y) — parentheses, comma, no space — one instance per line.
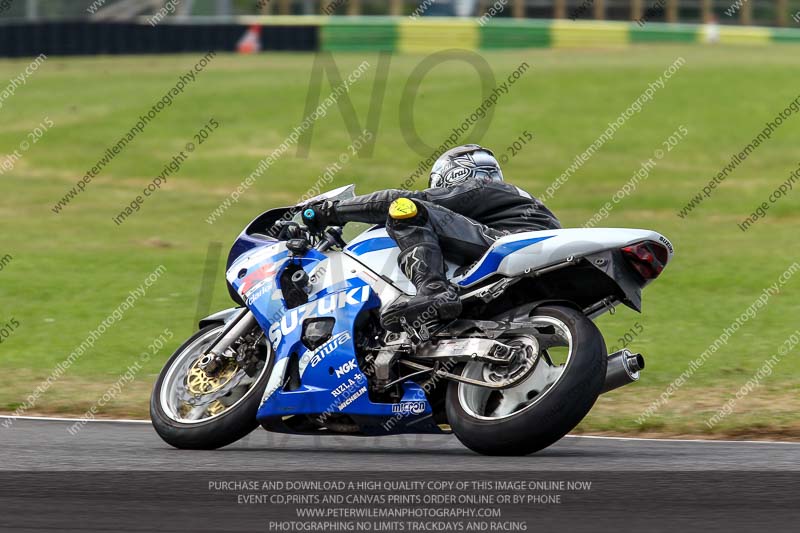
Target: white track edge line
(607,437)
(645,439)
(63,419)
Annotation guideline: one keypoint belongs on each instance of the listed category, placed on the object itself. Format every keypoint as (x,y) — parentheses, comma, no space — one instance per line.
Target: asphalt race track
(120,476)
(47,445)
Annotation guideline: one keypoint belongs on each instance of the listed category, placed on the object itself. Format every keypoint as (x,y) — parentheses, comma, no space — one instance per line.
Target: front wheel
(568,371)
(193,410)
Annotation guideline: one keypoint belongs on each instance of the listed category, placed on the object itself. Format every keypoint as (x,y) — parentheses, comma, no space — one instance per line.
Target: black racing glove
(320,215)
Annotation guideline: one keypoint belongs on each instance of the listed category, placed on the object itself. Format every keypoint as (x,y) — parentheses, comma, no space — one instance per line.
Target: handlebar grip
(310,219)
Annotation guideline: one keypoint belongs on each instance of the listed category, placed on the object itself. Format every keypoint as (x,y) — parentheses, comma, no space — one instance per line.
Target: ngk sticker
(346,368)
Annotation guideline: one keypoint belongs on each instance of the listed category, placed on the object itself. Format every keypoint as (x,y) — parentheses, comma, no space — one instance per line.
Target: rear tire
(560,408)
(218,431)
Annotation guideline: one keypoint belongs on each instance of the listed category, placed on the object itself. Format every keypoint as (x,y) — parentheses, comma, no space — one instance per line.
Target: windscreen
(342,193)
(352,229)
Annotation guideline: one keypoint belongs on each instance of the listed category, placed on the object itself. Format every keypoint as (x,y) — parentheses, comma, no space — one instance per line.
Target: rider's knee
(406,212)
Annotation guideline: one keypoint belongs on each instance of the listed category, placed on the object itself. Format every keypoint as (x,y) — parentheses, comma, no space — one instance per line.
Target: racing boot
(422,262)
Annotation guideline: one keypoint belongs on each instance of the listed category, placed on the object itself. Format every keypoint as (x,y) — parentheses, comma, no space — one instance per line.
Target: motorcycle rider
(466,208)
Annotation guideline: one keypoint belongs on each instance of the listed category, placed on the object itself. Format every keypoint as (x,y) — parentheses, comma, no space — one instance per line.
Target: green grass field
(67,272)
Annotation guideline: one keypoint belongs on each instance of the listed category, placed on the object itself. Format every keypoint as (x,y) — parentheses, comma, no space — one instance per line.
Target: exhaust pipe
(623,368)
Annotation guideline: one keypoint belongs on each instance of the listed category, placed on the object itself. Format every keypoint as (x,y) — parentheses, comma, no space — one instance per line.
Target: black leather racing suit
(459,222)
(466,218)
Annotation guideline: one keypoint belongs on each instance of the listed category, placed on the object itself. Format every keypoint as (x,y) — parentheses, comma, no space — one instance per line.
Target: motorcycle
(304,352)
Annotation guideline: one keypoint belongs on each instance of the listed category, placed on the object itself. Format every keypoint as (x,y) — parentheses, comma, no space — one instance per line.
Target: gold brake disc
(215,408)
(199,383)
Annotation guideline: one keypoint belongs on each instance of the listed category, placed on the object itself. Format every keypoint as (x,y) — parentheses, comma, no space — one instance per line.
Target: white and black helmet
(461,163)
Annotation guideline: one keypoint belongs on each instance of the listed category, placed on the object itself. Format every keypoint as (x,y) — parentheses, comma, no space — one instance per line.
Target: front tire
(211,429)
(552,411)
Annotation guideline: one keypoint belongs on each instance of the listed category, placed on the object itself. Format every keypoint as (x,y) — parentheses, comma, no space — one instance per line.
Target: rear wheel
(193,410)
(554,395)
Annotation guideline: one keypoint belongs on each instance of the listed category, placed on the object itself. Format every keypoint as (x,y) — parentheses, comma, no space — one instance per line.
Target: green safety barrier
(428,34)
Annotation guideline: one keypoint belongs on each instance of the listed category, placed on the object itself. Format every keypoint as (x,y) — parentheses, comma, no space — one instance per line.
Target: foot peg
(420,334)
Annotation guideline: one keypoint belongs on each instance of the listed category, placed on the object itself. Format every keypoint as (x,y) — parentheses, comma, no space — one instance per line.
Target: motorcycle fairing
(378,252)
(330,378)
(489,264)
(509,256)
(545,248)
(362,278)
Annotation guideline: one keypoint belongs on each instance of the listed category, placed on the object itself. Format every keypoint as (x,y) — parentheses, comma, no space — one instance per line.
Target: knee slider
(405,210)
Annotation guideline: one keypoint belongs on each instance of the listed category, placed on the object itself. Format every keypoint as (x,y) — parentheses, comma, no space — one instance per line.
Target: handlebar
(333,237)
(325,238)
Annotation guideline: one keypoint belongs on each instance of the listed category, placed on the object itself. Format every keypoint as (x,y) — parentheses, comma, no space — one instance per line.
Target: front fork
(237,327)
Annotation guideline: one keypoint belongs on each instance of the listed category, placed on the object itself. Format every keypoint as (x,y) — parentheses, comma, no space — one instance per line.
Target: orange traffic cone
(250,42)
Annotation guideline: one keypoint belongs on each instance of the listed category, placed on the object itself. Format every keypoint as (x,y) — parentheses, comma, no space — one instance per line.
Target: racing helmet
(461,163)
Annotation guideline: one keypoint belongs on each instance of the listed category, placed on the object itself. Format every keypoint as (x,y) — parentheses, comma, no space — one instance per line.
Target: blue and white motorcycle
(304,353)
